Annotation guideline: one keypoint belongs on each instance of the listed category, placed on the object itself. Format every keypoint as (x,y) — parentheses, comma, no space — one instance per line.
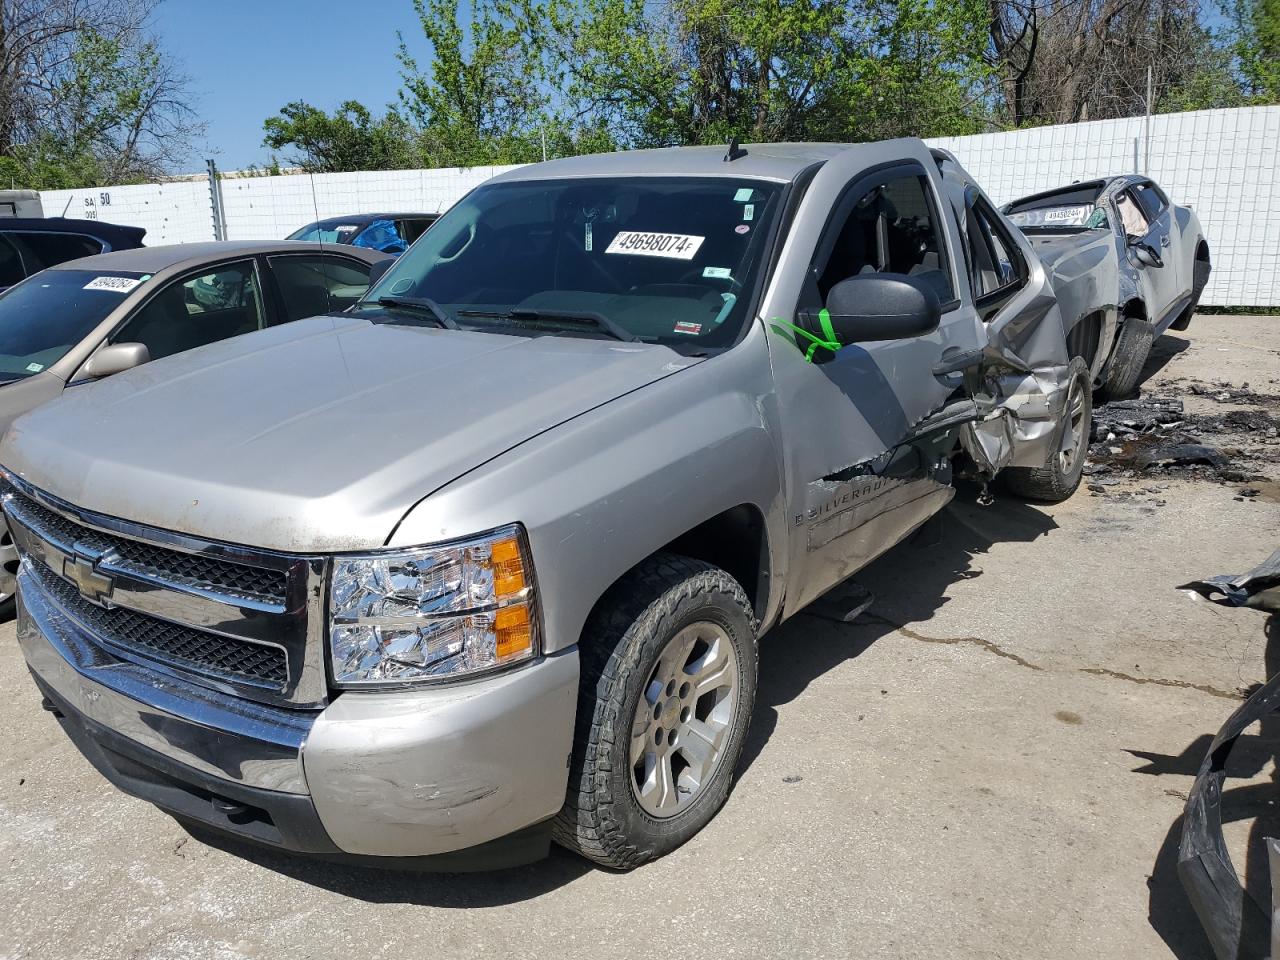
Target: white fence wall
(170,212)
(266,208)
(1224,163)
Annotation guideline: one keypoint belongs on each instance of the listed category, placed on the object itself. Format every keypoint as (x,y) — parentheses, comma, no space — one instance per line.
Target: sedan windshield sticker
(717,273)
(674,246)
(35,367)
(684,326)
(114,284)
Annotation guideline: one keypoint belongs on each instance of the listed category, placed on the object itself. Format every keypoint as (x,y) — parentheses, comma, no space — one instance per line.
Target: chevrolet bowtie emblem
(81,569)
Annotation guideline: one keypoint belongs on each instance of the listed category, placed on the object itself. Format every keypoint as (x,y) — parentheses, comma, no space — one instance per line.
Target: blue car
(385,232)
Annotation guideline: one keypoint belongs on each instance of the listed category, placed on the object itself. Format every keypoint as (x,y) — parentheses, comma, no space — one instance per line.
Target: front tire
(1060,476)
(9,565)
(668,686)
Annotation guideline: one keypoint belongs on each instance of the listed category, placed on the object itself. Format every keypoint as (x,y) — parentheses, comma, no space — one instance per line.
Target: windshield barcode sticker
(114,284)
(676,246)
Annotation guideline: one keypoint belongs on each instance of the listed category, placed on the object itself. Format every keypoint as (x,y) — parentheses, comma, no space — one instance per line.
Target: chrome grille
(225,657)
(242,620)
(205,573)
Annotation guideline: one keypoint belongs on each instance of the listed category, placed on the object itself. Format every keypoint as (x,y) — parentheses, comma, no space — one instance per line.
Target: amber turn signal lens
(513,630)
(508,568)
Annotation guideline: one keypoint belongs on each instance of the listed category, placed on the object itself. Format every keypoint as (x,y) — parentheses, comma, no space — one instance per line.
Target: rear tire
(1059,478)
(668,686)
(1133,345)
(1200,277)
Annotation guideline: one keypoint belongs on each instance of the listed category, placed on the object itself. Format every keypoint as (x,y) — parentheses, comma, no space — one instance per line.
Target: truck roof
(762,161)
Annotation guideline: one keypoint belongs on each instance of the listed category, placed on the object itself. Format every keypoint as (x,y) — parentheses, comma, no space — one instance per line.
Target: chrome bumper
(410,773)
(233,739)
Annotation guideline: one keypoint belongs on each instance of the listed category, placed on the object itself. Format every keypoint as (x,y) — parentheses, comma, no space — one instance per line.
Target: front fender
(606,489)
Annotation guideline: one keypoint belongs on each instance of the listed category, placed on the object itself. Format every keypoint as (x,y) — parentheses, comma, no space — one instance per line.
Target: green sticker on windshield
(35,367)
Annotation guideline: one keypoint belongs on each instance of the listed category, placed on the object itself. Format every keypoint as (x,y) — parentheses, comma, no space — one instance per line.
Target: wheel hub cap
(683,719)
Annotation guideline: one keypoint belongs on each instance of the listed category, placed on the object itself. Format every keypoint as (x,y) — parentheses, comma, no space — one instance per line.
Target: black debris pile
(1127,419)
(1224,392)
(1153,436)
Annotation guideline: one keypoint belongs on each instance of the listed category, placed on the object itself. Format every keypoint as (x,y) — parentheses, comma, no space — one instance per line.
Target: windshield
(326,232)
(45,316)
(668,260)
(1079,215)
(1076,207)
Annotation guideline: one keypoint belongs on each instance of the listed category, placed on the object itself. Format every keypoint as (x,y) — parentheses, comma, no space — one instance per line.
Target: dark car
(28,246)
(385,232)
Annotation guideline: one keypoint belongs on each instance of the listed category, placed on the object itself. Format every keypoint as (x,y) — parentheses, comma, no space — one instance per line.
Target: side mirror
(877,306)
(1145,254)
(378,269)
(116,358)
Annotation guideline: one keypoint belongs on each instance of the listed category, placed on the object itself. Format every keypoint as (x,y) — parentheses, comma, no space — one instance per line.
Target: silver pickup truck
(485,558)
(1121,242)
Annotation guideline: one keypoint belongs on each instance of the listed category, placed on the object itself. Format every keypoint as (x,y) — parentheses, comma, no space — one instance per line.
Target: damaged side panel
(870,430)
(850,518)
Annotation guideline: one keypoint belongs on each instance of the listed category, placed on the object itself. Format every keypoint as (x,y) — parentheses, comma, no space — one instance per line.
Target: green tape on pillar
(830,343)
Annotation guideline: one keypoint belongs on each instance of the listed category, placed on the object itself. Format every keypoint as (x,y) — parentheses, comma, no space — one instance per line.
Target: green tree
(913,68)
(777,69)
(484,98)
(86,96)
(1256,45)
(348,139)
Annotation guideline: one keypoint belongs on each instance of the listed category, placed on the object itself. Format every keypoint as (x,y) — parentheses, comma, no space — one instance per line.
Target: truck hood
(317,435)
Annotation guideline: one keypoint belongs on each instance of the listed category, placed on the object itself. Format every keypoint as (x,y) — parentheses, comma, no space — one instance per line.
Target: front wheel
(668,686)
(8,572)
(1060,476)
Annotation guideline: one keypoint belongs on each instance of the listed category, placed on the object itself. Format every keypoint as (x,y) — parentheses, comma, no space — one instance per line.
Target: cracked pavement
(990,762)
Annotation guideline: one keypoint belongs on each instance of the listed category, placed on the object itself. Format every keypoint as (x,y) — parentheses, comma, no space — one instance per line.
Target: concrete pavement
(991,763)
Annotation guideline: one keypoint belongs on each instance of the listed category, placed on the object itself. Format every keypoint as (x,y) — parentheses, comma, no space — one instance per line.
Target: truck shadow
(442,890)
(1163,350)
(1169,910)
(910,583)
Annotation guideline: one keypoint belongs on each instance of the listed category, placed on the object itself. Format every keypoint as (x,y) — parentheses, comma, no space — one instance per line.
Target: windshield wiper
(580,318)
(421,304)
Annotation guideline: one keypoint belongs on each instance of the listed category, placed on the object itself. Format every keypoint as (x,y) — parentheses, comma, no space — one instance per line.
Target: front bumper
(464,774)
(1236,925)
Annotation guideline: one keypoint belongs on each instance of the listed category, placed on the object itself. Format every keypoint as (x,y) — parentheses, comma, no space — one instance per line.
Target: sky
(248,59)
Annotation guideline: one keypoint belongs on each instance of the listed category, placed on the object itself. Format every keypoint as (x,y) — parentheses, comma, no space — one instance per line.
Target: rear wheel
(1200,278)
(1060,476)
(1133,345)
(668,686)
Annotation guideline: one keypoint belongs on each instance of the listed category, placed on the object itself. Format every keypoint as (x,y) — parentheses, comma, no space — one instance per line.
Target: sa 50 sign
(92,203)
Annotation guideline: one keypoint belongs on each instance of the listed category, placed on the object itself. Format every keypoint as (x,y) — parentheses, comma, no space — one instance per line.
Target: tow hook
(235,812)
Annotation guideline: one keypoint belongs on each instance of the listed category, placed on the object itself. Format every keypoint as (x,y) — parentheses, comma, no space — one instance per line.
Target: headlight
(432,612)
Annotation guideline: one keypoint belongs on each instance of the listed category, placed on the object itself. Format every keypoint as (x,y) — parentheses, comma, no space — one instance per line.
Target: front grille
(184,647)
(161,563)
